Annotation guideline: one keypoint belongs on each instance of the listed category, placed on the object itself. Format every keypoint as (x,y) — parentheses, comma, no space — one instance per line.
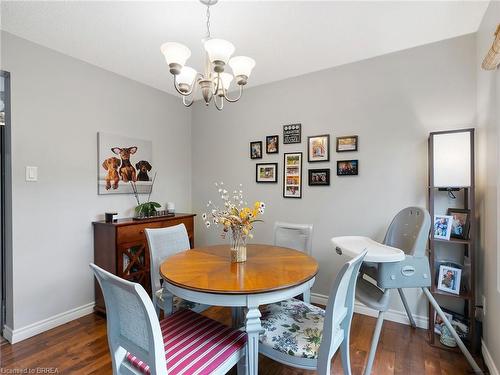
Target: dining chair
(302,335)
(295,236)
(408,231)
(162,243)
(184,342)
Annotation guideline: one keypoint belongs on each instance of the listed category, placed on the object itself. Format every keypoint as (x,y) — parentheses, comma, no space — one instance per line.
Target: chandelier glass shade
(215,81)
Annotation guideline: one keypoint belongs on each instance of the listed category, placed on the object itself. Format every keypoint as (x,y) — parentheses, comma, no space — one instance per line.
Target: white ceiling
(286,38)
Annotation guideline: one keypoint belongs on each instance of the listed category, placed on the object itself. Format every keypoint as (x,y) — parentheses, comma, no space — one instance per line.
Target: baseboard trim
(16,335)
(392,315)
(488,360)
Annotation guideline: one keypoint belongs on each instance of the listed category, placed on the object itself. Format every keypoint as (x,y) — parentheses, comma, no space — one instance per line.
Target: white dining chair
(295,236)
(305,336)
(162,243)
(185,342)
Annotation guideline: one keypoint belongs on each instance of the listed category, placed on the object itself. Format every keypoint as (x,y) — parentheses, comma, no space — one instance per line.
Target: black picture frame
(465,226)
(338,146)
(313,181)
(256,156)
(292,133)
(269,138)
(274,181)
(352,171)
(310,158)
(290,171)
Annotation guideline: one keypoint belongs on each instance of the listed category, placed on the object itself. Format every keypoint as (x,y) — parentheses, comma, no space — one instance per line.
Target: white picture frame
(449,279)
(292,175)
(441,227)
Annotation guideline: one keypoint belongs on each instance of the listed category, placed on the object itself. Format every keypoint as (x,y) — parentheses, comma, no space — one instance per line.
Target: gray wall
(58,106)
(392,102)
(488,120)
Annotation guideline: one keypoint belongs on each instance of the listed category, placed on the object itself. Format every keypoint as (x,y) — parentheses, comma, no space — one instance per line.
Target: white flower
(204,216)
(214,212)
(215,220)
(224,191)
(262,205)
(207,224)
(261,211)
(241,202)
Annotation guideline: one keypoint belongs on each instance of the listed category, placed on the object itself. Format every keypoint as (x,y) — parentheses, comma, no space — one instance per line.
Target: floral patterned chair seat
(293,327)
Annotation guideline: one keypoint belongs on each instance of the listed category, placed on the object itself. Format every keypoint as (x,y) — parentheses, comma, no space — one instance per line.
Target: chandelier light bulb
(226,80)
(186,77)
(219,52)
(242,67)
(176,55)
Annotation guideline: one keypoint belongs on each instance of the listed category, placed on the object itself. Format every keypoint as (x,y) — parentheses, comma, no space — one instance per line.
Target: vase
(238,246)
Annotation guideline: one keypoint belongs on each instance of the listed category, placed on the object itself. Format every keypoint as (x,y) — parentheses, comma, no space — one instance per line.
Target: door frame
(4,133)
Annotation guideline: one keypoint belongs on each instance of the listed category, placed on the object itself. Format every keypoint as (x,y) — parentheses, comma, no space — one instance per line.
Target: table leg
(253,329)
(237,317)
(168,302)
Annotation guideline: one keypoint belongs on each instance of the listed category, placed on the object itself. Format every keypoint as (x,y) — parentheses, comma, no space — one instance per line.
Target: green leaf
(155,204)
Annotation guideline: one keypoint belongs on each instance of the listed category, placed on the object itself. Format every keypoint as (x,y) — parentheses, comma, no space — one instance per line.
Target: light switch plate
(31,174)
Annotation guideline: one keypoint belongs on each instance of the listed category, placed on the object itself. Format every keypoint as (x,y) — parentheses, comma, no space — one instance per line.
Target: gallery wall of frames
(318,154)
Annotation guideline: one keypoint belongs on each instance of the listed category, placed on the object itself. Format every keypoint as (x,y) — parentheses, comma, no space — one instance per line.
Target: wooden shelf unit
(466,245)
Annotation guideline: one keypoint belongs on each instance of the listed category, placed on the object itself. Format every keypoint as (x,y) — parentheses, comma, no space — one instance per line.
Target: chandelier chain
(208,21)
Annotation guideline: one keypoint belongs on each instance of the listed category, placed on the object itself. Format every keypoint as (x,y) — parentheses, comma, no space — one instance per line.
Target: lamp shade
(186,76)
(226,79)
(242,65)
(175,53)
(452,159)
(219,50)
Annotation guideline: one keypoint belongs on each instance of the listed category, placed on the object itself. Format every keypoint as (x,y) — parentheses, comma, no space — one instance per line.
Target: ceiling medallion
(215,81)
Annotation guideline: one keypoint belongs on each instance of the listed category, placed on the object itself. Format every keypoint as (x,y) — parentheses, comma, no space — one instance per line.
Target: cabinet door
(133,263)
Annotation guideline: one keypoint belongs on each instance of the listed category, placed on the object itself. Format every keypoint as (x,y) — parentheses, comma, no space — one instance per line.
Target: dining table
(270,274)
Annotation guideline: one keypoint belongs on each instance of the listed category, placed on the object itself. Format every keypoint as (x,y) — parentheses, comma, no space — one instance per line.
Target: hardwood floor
(80,347)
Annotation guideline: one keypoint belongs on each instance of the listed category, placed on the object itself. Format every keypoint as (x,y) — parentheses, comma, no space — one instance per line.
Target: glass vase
(238,246)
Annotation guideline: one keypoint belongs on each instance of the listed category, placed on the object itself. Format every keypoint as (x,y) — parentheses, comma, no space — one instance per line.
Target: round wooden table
(270,274)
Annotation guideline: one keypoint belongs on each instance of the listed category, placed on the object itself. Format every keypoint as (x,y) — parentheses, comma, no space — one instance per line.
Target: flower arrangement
(236,217)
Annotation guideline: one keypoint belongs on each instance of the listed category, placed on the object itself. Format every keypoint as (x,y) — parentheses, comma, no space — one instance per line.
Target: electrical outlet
(484,305)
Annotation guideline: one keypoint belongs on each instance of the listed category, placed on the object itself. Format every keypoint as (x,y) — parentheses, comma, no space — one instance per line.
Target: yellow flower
(257,204)
(255,212)
(245,231)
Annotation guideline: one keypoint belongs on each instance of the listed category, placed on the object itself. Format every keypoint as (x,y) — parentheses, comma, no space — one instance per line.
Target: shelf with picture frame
(455,146)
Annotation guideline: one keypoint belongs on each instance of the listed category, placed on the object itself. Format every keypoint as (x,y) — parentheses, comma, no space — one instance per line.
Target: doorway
(4,132)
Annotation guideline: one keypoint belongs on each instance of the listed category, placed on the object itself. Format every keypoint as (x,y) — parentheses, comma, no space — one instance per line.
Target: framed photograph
(442,226)
(438,322)
(449,279)
(460,224)
(319,177)
(292,133)
(347,143)
(272,144)
(256,150)
(121,160)
(318,148)
(292,175)
(266,172)
(347,167)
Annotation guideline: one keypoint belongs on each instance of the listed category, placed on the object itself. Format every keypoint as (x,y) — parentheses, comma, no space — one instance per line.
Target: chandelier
(215,81)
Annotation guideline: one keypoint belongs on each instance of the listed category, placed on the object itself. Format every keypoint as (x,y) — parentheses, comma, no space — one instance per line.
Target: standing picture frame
(256,150)
(460,224)
(292,175)
(449,279)
(347,143)
(442,227)
(318,148)
(272,144)
(266,173)
(292,133)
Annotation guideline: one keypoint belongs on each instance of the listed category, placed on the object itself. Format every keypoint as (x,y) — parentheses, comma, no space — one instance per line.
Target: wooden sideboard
(121,248)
